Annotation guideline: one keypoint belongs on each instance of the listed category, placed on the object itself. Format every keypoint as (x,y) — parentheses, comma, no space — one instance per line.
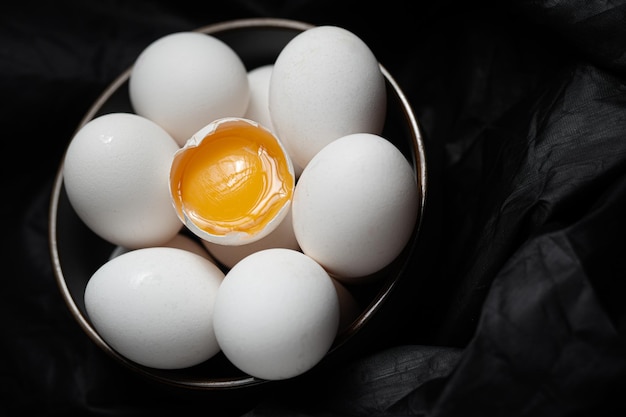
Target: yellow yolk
(236,180)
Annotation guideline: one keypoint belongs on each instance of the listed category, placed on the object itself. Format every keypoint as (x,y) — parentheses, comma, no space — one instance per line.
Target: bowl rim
(387,286)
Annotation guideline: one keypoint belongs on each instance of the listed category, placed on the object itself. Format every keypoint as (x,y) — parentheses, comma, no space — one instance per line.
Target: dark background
(517,300)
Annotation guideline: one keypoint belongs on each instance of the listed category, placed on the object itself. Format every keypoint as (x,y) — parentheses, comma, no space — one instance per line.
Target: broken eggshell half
(232,182)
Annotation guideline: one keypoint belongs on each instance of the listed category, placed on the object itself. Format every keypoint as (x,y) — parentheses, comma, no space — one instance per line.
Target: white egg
(326,83)
(281,237)
(258,107)
(180,241)
(276,314)
(115,173)
(349,308)
(355,206)
(185,80)
(154,306)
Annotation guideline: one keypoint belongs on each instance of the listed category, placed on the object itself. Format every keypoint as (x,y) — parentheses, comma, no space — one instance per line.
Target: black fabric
(516,304)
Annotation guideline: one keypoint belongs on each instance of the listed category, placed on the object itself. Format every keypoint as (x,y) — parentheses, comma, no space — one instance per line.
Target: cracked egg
(232,182)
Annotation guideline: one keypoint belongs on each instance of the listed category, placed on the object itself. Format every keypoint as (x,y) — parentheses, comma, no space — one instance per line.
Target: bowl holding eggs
(237,206)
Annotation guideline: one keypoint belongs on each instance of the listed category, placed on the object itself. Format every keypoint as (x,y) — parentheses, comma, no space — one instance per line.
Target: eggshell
(258,107)
(232,182)
(349,308)
(355,206)
(155,306)
(281,237)
(276,314)
(115,173)
(180,241)
(185,80)
(326,83)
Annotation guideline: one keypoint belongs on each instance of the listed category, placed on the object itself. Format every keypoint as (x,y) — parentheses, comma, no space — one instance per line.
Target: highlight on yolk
(232,183)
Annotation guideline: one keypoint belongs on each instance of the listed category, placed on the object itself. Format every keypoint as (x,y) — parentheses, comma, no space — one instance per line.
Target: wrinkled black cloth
(515,305)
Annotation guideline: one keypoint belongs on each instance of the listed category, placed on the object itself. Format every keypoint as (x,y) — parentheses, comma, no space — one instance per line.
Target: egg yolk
(236,179)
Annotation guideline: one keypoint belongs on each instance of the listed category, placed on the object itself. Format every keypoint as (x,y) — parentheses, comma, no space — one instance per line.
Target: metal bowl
(77,252)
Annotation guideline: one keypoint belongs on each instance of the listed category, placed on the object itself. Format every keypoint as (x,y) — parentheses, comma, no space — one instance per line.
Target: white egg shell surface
(258,107)
(355,206)
(115,173)
(281,237)
(180,241)
(185,80)
(349,308)
(326,83)
(154,306)
(276,314)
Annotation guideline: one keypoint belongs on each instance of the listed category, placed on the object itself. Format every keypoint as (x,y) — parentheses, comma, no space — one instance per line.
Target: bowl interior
(77,252)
